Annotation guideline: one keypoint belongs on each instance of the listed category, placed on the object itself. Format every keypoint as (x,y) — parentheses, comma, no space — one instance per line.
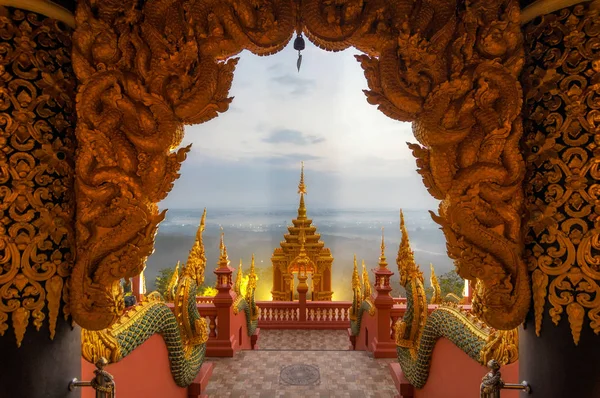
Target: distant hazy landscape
(259,231)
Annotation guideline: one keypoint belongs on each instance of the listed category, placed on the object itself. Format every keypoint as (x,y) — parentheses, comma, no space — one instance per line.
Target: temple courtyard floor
(301,363)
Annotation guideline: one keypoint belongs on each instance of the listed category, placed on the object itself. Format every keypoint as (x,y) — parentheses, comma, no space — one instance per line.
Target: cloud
(275,67)
(288,136)
(299,86)
(288,160)
(272,181)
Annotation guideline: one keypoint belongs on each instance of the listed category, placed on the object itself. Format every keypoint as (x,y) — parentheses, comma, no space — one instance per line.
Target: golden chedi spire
(436,298)
(405,260)
(196,262)
(366,282)
(239,276)
(382,260)
(302,192)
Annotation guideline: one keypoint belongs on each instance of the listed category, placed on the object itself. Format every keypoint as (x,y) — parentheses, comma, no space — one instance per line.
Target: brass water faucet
(492,383)
(103,383)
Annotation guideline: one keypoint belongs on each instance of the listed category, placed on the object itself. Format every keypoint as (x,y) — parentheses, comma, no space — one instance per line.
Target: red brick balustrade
(312,315)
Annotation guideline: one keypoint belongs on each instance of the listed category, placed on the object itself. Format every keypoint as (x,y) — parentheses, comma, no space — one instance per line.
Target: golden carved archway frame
(146,68)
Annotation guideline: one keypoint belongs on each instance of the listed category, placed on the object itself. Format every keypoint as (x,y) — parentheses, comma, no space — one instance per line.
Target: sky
(355,156)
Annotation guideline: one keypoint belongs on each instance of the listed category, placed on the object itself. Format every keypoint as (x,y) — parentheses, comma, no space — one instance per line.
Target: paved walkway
(304,340)
(327,373)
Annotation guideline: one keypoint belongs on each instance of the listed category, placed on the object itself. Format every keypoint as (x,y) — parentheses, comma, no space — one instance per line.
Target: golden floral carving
(147,68)
(561,145)
(36,170)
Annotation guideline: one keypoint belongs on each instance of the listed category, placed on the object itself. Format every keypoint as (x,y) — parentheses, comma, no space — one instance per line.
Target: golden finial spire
(221,242)
(356,291)
(196,262)
(170,292)
(365,281)
(238,279)
(252,269)
(355,278)
(223,259)
(405,260)
(252,278)
(302,192)
(382,260)
(436,298)
(301,186)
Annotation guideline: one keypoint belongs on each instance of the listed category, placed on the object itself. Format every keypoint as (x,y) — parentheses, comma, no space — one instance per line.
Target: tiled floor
(303,340)
(342,373)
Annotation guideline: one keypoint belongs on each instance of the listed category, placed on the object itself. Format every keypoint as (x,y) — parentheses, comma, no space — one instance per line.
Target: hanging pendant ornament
(299,45)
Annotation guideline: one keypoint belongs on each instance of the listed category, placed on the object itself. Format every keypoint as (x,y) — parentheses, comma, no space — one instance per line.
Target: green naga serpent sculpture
(361,301)
(244,289)
(417,332)
(184,330)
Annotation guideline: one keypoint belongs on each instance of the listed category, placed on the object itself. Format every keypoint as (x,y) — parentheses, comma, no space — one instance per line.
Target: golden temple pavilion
(302,235)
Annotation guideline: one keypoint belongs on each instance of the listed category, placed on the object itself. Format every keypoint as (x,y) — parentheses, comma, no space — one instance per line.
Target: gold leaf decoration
(576,313)
(54,288)
(540,283)
(37,91)
(561,146)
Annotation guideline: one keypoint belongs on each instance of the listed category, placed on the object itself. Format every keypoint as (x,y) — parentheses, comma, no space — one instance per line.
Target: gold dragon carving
(562,152)
(37,208)
(147,68)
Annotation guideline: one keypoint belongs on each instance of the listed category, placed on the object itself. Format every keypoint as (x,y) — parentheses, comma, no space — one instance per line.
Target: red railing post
(383,346)
(137,288)
(223,345)
(469,298)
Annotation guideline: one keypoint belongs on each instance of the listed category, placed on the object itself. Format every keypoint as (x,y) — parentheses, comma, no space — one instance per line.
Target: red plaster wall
(145,373)
(454,375)
(368,331)
(239,322)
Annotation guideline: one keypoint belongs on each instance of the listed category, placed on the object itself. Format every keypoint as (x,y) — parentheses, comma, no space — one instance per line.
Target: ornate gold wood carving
(453,71)
(37,92)
(141,79)
(562,149)
(451,67)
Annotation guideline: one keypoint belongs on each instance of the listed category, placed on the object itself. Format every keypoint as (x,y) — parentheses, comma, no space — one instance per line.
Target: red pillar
(224,344)
(302,289)
(135,288)
(469,298)
(383,346)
